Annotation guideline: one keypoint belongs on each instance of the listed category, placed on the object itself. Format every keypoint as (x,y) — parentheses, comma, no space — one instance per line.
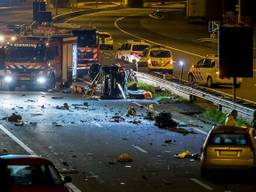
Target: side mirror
(67,179)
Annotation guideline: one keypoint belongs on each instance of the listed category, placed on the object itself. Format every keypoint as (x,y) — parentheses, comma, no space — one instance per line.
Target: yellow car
(229,148)
(105,40)
(206,72)
(157,59)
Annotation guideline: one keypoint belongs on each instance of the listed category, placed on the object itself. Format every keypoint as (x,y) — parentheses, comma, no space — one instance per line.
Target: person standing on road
(231,119)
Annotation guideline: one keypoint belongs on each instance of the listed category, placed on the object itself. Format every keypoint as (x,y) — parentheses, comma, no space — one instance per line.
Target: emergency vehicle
(38,62)
(105,40)
(131,51)
(206,72)
(157,59)
(88,49)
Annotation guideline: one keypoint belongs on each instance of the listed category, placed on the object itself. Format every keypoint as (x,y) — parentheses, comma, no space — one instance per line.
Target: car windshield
(27,175)
(160,54)
(104,35)
(26,54)
(229,139)
(139,47)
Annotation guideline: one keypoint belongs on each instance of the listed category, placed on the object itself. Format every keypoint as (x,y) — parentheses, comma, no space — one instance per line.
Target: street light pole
(56,7)
(182,67)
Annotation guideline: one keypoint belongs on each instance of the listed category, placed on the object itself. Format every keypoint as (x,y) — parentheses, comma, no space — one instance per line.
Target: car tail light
(149,61)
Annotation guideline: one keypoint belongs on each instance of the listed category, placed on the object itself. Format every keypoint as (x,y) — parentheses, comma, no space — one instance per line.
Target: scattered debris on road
(164,120)
(55,97)
(125,158)
(183,154)
(131,111)
(14,118)
(117,119)
(65,106)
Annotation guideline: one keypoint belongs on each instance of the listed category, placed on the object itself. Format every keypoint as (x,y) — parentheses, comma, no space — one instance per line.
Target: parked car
(157,59)
(105,40)
(206,72)
(228,148)
(27,173)
(131,51)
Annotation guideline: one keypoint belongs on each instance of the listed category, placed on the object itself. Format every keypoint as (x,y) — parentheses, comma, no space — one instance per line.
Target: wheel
(209,82)
(238,85)
(191,78)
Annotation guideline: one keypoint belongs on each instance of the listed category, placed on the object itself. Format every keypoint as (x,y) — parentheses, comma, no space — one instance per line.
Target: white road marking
(97,124)
(201,184)
(93,175)
(139,148)
(31,152)
(16,140)
(152,42)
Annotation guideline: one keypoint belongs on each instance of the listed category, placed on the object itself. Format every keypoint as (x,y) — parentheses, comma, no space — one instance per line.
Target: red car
(27,173)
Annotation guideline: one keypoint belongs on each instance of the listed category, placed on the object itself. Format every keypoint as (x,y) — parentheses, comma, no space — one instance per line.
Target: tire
(209,82)
(238,85)
(191,78)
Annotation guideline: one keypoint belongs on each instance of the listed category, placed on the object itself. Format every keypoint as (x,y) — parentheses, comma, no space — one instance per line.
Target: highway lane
(130,20)
(85,142)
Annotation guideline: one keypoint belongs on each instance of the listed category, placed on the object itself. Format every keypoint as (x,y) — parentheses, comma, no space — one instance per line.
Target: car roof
(159,48)
(229,129)
(137,42)
(211,56)
(24,159)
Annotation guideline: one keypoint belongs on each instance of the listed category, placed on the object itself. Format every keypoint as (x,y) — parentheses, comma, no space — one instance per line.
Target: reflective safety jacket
(230,121)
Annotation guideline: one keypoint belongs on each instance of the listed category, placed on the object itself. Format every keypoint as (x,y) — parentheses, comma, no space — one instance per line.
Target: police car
(131,51)
(206,72)
(105,40)
(157,59)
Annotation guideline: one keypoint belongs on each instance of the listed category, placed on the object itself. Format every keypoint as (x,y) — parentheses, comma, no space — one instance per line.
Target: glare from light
(1,38)
(13,38)
(41,80)
(181,63)
(8,79)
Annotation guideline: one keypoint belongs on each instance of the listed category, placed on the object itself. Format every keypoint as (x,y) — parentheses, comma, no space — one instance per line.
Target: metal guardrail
(244,108)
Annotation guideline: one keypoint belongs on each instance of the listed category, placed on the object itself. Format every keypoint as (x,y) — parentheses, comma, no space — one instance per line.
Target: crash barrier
(190,92)
(64,16)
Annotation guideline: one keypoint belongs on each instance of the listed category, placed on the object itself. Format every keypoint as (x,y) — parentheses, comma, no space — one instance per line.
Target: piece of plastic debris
(183,154)
(164,120)
(125,158)
(131,111)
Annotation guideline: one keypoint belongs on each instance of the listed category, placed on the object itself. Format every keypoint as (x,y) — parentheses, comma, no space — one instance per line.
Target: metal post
(234,88)
(239,12)
(181,74)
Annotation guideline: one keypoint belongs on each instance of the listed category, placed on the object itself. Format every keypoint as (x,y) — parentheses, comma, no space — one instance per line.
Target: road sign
(213,26)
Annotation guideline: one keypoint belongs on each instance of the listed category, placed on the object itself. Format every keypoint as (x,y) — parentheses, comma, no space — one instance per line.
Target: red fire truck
(35,62)
(88,50)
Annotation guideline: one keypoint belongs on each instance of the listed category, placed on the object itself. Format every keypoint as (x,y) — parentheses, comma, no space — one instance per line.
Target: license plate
(24,78)
(228,153)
